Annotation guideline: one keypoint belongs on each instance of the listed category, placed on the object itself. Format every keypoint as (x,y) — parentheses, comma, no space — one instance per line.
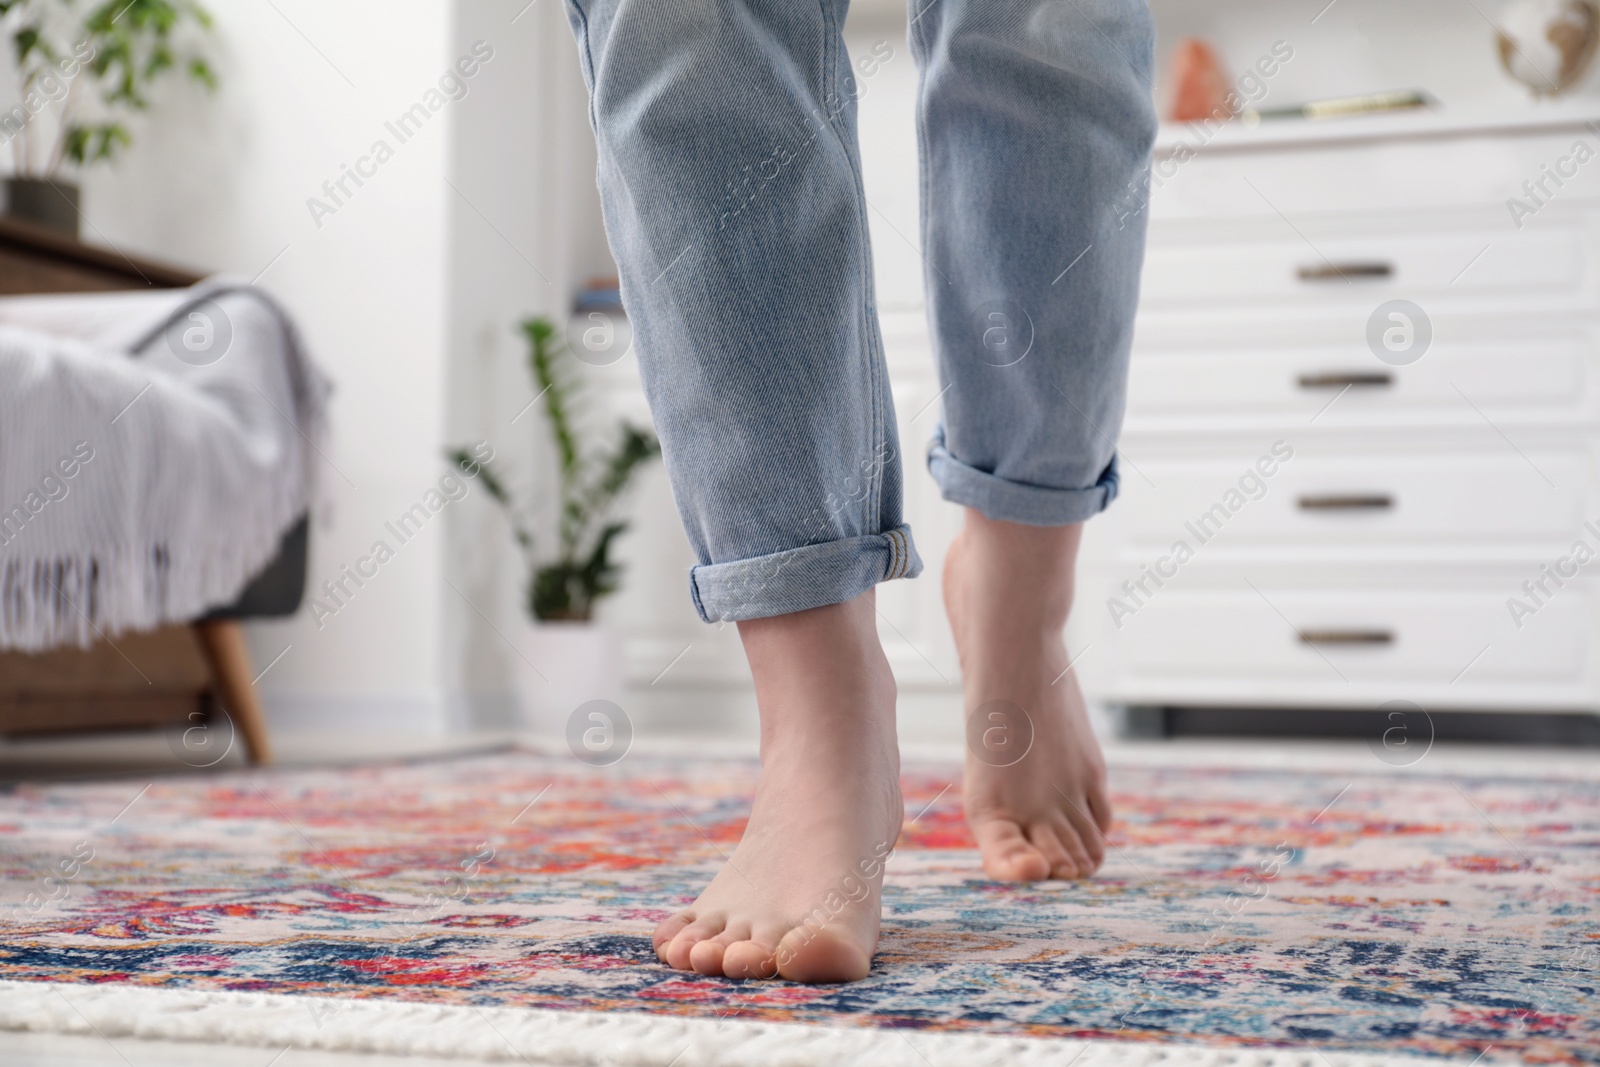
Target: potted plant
(78,77)
(565,656)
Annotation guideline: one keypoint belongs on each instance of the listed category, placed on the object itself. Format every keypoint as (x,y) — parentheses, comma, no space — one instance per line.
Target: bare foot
(1035,779)
(800,896)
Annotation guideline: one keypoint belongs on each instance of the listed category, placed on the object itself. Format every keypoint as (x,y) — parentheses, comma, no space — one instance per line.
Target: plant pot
(47,202)
(561,665)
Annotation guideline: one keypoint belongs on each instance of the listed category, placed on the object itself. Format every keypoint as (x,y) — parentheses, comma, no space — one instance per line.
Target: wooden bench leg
(226,654)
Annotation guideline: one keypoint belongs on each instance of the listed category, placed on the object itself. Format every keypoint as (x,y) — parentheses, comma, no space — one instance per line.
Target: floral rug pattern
(1396,912)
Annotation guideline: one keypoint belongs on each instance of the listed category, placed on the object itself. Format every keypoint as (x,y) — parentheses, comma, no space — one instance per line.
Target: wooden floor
(148,752)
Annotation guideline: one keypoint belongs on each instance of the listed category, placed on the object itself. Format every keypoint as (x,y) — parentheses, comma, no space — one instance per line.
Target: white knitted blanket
(154,448)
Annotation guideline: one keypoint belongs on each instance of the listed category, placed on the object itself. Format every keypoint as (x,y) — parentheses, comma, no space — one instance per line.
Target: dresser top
(1426,123)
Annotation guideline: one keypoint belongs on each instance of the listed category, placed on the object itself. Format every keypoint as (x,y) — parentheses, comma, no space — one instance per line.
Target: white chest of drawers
(1410,506)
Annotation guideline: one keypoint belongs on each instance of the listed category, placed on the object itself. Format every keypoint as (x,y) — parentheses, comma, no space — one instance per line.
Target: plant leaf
(599,575)
(556,390)
(133,43)
(200,71)
(473,467)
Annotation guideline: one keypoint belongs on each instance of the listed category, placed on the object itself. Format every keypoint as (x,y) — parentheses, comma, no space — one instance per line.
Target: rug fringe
(583,1039)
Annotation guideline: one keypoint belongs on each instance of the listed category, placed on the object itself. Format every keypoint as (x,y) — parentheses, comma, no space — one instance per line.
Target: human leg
(729,177)
(730,181)
(1035,125)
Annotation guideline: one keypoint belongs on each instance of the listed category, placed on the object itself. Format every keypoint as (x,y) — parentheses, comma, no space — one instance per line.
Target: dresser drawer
(1358,642)
(1399,173)
(1529,379)
(1329,502)
(1345,262)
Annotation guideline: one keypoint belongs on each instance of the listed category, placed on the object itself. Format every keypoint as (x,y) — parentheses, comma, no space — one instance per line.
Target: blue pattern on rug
(1397,911)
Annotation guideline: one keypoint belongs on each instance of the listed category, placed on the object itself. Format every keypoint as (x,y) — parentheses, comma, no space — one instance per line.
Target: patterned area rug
(1392,913)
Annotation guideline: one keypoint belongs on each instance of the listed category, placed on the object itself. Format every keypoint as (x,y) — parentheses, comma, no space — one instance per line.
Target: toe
(680,947)
(1099,804)
(734,931)
(1063,864)
(706,957)
(669,929)
(750,959)
(1091,840)
(1068,836)
(1008,856)
(825,955)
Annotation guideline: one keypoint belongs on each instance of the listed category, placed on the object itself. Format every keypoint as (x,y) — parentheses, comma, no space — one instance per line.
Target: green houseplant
(82,70)
(565,586)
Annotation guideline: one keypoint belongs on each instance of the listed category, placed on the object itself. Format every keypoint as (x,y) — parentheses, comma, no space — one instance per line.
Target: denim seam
(900,555)
(588,61)
(694,595)
(920,44)
(834,53)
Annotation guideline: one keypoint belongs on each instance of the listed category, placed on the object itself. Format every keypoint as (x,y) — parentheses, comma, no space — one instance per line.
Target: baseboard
(428,715)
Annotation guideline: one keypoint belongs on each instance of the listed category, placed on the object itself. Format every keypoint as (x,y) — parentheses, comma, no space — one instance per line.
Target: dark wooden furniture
(166,677)
(37,260)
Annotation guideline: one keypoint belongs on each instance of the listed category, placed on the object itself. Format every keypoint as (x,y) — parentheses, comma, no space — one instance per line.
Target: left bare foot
(1035,778)
(800,898)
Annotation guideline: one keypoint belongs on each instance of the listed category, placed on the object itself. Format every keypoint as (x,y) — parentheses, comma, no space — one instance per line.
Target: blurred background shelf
(1420,124)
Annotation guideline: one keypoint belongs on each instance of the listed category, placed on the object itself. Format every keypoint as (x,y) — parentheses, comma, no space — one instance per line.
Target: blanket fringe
(51,597)
(77,600)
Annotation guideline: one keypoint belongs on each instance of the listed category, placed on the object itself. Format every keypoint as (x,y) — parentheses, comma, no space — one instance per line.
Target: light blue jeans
(730,178)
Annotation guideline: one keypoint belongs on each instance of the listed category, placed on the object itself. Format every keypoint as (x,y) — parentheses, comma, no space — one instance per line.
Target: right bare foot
(1043,811)
(800,896)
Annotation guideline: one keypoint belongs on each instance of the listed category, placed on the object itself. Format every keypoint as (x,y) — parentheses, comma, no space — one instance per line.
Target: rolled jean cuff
(1032,505)
(801,578)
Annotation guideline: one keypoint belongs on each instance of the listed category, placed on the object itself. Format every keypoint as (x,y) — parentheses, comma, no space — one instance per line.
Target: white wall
(222,184)
(525,228)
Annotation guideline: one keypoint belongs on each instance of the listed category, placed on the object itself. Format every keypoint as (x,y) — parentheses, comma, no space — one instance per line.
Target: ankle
(1026,574)
(862,732)
(843,635)
(823,684)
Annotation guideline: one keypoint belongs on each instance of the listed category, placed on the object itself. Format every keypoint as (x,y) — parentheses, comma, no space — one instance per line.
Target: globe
(1548,44)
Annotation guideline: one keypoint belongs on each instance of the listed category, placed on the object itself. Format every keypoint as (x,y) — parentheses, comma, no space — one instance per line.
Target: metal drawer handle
(1347,637)
(1343,272)
(1337,380)
(1347,502)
